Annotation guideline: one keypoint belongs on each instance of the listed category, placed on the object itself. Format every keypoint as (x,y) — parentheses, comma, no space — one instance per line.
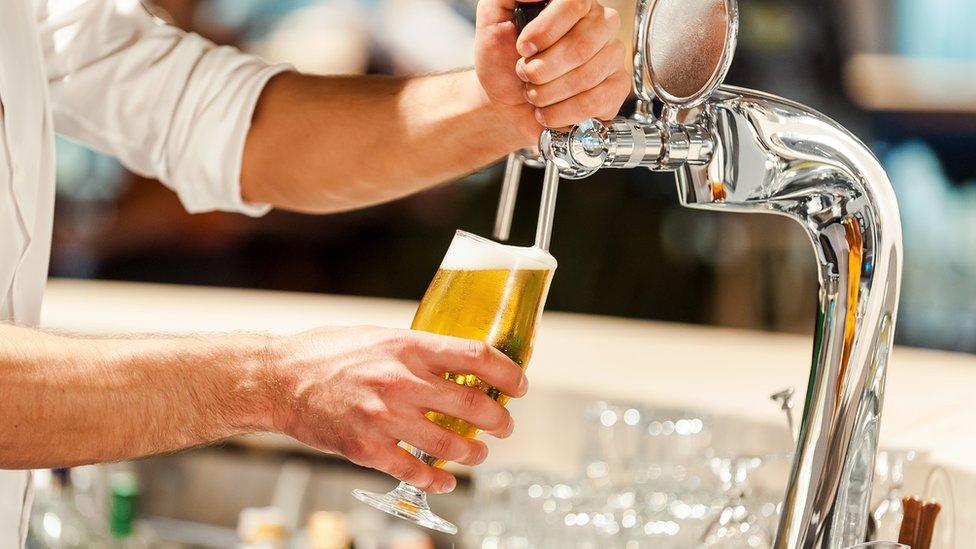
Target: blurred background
(900,74)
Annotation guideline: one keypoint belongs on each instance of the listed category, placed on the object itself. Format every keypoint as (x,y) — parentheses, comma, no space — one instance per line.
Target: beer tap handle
(524,13)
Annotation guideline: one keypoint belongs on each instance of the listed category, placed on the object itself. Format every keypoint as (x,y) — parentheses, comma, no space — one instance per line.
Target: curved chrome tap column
(775,156)
(750,152)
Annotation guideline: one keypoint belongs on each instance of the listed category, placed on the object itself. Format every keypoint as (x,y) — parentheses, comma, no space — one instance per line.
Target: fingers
(577,47)
(552,24)
(601,101)
(441,354)
(401,465)
(586,77)
(444,444)
(469,404)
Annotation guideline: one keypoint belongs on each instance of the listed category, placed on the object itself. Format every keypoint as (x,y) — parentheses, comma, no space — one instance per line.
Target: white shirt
(168,104)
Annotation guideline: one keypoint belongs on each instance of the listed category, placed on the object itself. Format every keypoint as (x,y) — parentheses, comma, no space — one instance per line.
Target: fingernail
(448,485)
(539,116)
(511,427)
(523,385)
(520,72)
(528,49)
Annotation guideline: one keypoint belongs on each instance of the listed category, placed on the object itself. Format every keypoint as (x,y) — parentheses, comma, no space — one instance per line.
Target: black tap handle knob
(525,12)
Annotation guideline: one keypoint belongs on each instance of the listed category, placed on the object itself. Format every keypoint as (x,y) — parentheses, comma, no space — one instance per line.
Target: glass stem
(411,494)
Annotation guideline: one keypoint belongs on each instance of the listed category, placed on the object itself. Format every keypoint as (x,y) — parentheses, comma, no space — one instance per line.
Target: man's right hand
(359,391)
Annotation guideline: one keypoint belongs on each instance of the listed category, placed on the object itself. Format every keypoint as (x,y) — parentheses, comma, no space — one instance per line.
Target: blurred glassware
(262,528)
(890,470)
(641,484)
(737,525)
(938,488)
(56,522)
(652,478)
(326,530)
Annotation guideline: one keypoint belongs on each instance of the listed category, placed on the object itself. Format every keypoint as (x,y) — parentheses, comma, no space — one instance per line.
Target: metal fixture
(740,150)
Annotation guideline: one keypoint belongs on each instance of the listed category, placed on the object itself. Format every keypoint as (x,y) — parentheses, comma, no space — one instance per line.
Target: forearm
(323,144)
(68,401)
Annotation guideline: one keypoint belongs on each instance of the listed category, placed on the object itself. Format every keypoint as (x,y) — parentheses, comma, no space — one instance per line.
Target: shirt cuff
(237,202)
(227,121)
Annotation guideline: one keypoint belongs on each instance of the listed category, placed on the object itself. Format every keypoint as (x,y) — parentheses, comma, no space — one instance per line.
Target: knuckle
(476,350)
(579,8)
(554,117)
(469,400)
(581,49)
(497,421)
(543,36)
(592,73)
(533,71)
(398,343)
(443,445)
(353,448)
(588,104)
(373,410)
(385,379)
(408,470)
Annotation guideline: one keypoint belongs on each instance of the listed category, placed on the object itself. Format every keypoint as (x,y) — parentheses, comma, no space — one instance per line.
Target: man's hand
(359,391)
(567,65)
(355,391)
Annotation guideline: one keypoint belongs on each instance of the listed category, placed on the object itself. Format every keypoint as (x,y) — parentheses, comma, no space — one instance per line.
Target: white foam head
(471,252)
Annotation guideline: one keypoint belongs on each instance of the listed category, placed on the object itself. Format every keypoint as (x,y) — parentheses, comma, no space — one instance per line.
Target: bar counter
(929,403)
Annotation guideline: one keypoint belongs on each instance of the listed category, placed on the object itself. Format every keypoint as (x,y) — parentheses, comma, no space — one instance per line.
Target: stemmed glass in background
(938,487)
(736,525)
(484,291)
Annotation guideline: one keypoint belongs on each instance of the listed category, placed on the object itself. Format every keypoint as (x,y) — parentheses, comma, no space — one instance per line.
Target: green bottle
(122,514)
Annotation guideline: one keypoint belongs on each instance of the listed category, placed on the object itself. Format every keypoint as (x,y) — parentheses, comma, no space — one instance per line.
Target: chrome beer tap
(746,151)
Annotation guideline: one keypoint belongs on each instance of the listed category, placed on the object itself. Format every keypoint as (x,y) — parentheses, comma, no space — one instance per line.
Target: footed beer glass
(486,291)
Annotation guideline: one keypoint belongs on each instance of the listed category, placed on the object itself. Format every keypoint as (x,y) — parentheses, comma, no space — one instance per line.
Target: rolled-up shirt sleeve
(167,103)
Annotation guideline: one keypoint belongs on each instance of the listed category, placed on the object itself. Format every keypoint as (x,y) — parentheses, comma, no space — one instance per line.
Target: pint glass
(485,291)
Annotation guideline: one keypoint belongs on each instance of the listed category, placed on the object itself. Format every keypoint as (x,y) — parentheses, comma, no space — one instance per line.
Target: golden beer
(488,292)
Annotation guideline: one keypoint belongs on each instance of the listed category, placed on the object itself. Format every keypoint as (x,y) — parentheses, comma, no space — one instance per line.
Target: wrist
(251,384)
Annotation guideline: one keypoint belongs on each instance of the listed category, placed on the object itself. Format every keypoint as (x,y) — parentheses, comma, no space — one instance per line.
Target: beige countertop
(929,403)
(929,393)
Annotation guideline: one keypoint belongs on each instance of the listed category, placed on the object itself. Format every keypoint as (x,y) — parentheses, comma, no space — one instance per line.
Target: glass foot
(409,503)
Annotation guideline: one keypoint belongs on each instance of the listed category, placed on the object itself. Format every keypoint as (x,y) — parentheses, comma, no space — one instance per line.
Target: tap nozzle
(510,184)
(625,143)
